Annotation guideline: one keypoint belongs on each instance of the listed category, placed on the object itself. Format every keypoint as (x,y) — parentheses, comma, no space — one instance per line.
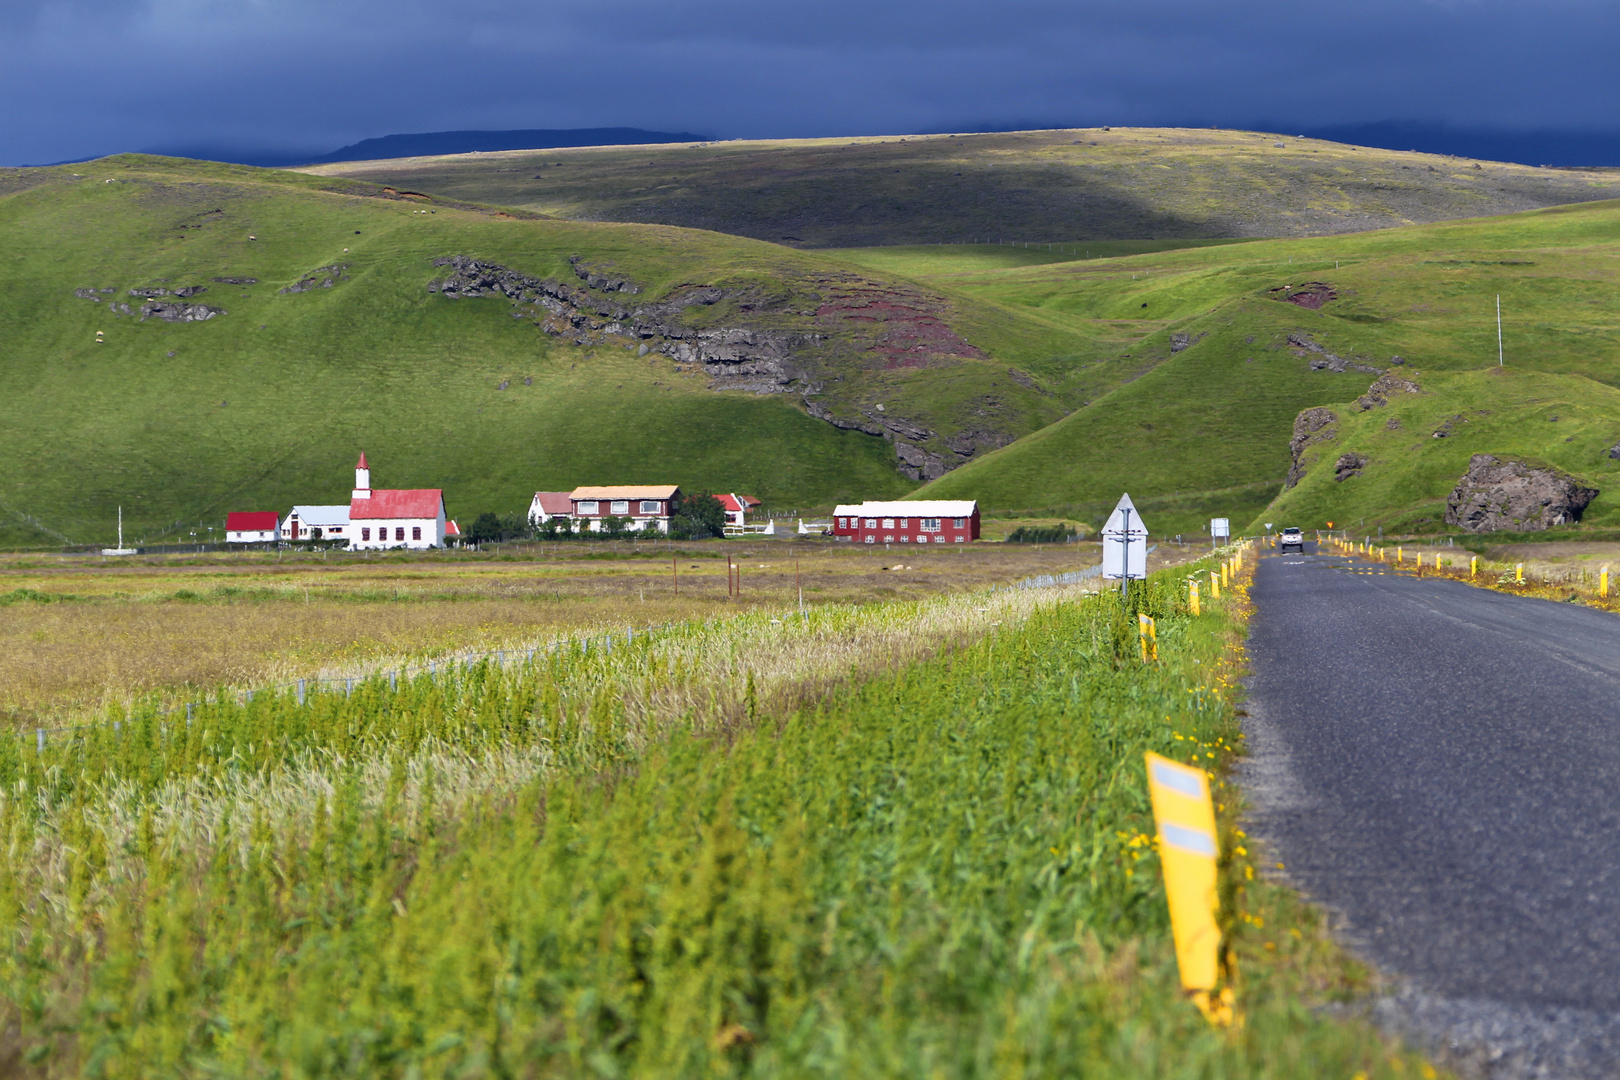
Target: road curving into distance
(1439,765)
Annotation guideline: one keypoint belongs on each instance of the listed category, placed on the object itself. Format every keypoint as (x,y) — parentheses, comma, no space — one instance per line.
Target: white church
(381,518)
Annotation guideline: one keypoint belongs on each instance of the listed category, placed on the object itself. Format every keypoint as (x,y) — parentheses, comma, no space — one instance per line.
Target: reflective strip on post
(1188,853)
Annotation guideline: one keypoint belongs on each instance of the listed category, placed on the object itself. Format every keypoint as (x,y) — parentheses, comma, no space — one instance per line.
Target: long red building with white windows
(919,521)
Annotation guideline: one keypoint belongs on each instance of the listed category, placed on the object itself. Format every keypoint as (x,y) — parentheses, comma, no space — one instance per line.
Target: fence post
(300,691)
(39,736)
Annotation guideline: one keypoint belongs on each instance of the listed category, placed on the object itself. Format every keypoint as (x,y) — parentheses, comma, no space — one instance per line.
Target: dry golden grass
(77,633)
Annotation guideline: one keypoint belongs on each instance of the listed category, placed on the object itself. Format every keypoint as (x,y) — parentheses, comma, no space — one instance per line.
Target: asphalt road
(1440,765)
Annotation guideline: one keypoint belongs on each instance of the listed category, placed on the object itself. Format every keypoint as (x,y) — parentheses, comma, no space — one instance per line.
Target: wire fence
(1073,577)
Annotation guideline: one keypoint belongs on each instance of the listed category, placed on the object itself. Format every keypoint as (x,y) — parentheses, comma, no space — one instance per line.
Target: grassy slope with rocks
(1213,368)
(1060,185)
(266,403)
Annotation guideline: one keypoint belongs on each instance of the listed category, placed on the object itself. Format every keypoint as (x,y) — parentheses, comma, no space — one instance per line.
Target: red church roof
(252,521)
(734,503)
(398,504)
(362,462)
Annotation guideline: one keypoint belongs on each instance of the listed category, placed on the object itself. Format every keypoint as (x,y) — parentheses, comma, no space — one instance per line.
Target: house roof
(735,502)
(398,503)
(940,508)
(361,464)
(452,529)
(554,502)
(321,516)
(659,491)
(252,521)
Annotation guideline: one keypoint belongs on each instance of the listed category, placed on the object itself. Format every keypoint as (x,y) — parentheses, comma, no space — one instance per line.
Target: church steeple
(362,479)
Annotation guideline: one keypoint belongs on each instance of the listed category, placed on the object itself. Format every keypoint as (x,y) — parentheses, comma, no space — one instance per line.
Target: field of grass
(898,839)
(78,632)
(1055,186)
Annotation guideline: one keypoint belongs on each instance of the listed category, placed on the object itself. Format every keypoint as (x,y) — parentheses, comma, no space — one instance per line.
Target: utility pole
(1500,362)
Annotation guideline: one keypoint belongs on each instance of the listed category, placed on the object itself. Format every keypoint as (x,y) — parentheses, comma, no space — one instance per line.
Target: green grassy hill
(1056,186)
(328,340)
(1195,410)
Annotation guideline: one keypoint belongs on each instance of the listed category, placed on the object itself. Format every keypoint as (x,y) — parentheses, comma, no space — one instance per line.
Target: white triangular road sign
(1125,542)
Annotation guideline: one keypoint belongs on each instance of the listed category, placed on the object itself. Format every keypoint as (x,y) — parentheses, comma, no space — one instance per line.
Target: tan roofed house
(643,507)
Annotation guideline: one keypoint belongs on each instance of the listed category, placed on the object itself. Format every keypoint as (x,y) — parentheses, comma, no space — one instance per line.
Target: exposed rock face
(1311,427)
(237,280)
(322,277)
(1384,388)
(91,294)
(1181,342)
(1322,360)
(1349,465)
(1500,493)
(746,339)
(169,311)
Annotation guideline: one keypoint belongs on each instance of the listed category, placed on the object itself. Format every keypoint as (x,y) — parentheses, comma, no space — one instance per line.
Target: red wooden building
(920,521)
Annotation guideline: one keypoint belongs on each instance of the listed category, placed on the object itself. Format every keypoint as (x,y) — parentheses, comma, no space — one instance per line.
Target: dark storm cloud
(87,77)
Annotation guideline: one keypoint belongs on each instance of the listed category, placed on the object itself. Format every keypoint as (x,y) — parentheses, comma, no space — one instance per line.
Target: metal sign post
(1124,545)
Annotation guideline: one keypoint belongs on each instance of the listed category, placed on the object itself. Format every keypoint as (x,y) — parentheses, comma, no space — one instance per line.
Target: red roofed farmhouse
(252,527)
(394,518)
(737,507)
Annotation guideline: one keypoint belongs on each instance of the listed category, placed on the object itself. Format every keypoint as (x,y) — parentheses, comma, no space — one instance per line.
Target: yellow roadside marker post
(1518,574)
(1214,585)
(1192,595)
(1224,569)
(1188,855)
(1473,566)
(1400,555)
(1149,633)
(1603,582)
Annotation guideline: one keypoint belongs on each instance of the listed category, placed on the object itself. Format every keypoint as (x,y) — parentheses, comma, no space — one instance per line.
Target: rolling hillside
(182,338)
(1220,349)
(1030,186)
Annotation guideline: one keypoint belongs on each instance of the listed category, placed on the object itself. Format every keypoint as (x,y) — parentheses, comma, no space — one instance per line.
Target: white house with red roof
(381,518)
(252,527)
(550,504)
(737,507)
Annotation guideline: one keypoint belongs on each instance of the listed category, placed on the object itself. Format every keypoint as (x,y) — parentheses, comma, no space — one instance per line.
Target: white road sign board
(1220,528)
(1124,542)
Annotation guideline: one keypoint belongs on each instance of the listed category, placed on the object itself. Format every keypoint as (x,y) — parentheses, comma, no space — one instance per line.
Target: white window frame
(871,523)
(870,539)
(961,523)
(619,507)
(651,506)
(888,523)
(929,524)
(589,506)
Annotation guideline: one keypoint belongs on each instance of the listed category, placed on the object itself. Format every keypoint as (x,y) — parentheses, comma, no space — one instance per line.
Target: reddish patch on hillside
(904,328)
(1311,294)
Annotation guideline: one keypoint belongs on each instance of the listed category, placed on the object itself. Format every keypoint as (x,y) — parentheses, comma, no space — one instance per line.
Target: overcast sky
(90,77)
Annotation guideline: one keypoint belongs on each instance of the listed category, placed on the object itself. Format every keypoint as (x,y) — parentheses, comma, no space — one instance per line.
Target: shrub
(1042,534)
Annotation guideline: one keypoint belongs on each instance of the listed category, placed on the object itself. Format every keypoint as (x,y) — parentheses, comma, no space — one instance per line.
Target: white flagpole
(1499,361)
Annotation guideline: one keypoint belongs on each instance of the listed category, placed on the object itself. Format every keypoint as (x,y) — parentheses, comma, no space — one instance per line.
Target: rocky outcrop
(91,294)
(1181,342)
(1321,360)
(169,311)
(1498,494)
(237,280)
(1311,427)
(1349,465)
(322,277)
(1384,388)
(794,340)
